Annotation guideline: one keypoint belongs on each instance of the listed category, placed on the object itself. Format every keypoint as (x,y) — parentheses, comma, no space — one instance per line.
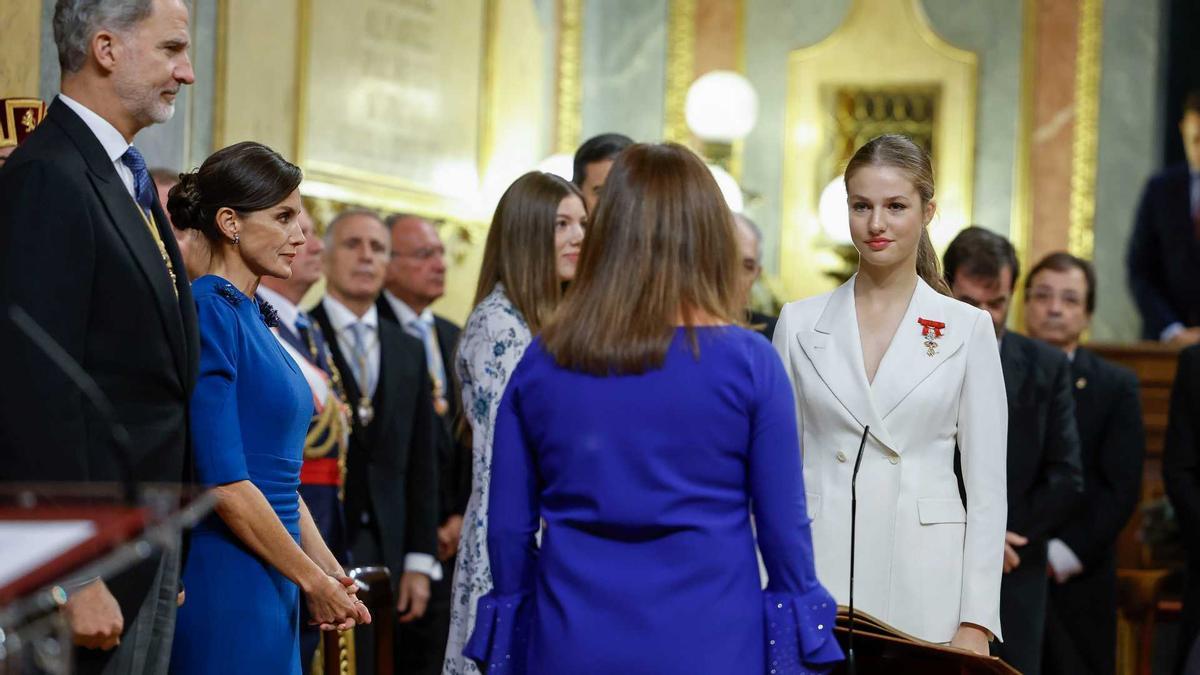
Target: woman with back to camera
(250,411)
(532,251)
(641,427)
(891,350)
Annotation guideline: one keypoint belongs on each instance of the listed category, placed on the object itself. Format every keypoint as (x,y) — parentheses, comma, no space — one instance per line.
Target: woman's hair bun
(184,203)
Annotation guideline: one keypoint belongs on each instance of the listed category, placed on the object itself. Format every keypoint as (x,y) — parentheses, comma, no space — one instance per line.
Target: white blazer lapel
(908,360)
(835,350)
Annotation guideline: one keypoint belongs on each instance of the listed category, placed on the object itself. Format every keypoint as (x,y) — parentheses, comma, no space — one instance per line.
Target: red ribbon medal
(931,330)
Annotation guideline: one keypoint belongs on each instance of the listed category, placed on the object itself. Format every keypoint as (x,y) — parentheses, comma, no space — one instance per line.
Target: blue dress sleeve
(799,612)
(502,620)
(216,428)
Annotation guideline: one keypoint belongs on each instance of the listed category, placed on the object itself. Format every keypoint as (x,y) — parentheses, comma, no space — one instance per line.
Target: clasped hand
(333,604)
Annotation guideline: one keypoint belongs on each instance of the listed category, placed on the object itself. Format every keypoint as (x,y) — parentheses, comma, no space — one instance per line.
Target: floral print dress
(491,345)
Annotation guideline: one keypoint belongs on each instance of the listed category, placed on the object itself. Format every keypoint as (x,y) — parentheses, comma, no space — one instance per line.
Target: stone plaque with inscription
(391,96)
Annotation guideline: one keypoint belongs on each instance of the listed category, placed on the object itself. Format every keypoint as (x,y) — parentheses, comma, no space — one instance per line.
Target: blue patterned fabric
(143,187)
(642,486)
(491,344)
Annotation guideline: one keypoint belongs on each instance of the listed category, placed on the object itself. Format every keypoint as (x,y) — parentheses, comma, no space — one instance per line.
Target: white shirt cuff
(423,563)
(1063,560)
(1171,331)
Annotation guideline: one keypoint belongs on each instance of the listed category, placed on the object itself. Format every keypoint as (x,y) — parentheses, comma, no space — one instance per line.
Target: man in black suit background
(749,241)
(87,252)
(416,278)
(1181,476)
(391,473)
(1045,475)
(1163,259)
(1081,613)
(592,161)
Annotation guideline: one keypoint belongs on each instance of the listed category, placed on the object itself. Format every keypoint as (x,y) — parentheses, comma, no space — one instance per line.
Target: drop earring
(236,238)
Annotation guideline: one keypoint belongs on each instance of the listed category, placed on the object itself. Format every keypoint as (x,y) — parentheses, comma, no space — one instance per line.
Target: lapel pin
(1081,383)
(931,330)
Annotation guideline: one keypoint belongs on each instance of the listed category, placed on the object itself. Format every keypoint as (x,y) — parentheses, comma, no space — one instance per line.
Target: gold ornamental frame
(881,43)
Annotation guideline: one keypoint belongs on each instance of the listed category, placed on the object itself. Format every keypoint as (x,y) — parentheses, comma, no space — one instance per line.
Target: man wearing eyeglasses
(416,278)
(1081,607)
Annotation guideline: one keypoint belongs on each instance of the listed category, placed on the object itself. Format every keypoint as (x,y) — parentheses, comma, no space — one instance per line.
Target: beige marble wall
(20,47)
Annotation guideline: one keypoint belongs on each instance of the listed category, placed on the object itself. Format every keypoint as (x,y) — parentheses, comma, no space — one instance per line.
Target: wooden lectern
(883,650)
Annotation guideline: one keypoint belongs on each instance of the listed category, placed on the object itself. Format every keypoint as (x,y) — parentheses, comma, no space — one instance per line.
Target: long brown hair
(899,152)
(520,246)
(661,247)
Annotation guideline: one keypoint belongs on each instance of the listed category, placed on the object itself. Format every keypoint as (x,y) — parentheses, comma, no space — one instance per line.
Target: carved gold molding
(681,44)
(1021,230)
(1080,239)
(569,109)
(221,66)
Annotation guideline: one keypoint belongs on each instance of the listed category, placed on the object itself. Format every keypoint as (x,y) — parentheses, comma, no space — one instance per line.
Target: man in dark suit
(592,161)
(1181,475)
(86,251)
(1164,250)
(1045,475)
(749,241)
(1081,614)
(391,474)
(416,278)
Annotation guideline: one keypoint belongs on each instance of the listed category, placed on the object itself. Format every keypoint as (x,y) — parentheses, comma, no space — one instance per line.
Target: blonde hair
(900,152)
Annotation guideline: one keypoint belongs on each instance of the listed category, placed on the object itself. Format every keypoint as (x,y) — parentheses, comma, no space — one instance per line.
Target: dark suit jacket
(391,474)
(1181,476)
(1083,611)
(77,256)
(763,323)
(454,456)
(1164,254)
(1045,479)
(1045,473)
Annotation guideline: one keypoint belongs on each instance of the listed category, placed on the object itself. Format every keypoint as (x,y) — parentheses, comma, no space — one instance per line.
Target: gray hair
(349,213)
(76,21)
(749,225)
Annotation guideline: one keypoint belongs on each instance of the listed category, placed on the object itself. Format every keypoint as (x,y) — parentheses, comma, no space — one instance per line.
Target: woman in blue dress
(532,251)
(642,428)
(250,411)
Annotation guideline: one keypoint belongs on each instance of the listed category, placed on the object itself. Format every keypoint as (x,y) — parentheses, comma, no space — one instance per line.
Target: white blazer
(923,563)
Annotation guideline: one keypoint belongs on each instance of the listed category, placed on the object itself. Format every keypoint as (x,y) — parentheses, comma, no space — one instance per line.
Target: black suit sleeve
(1144,263)
(1181,457)
(1061,480)
(422,486)
(46,249)
(1110,500)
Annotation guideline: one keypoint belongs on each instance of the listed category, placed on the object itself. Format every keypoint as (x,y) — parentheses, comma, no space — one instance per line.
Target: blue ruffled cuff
(800,638)
(501,637)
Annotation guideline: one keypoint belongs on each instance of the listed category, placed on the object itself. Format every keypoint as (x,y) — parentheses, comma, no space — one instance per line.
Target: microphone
(90,390)
(851,667)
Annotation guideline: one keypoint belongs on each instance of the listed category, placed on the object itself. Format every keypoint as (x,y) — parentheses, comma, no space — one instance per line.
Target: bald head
(416,273)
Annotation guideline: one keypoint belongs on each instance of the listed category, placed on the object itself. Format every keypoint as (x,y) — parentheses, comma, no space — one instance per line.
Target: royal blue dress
(249,413)
(645,483)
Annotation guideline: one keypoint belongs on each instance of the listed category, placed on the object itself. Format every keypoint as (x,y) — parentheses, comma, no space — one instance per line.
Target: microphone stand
(851,667)
(90,390)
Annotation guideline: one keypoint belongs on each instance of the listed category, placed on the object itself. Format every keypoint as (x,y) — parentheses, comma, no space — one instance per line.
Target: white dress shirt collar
(114,143)
(404,313)
(340,316)
(111,140)
(287,310)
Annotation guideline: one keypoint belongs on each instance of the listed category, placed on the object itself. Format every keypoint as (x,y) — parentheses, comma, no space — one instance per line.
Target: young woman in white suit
(891,350)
